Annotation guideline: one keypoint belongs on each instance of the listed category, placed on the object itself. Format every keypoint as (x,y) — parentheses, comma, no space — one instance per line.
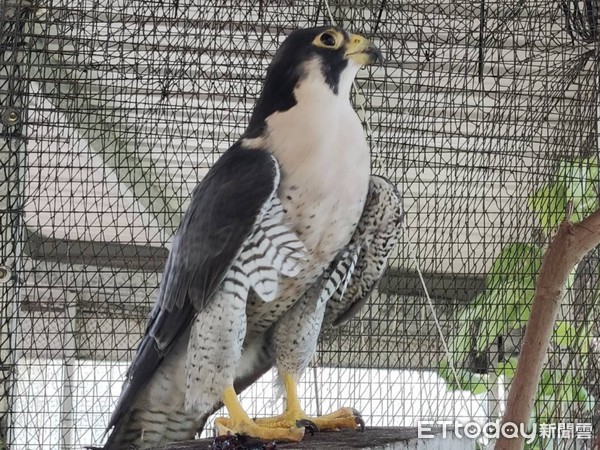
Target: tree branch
(571,243)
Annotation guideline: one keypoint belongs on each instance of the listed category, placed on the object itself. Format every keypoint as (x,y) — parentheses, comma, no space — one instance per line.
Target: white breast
(324,160)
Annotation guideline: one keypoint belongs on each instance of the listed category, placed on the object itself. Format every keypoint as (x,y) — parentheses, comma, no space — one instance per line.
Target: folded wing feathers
(340,276)
(236,282)
(379,230)
(271,251)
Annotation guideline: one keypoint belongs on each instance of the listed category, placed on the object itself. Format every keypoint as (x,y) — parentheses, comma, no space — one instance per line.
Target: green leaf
(579,177)
(544,409)
(504,308)
(520,292)
(584,334)
(547,384)
(535,445)
(572,392)
(459,343)
(515,259)
(574,181)
(549,205)
(488,332)
(560,386)
(592,168)
(572,173)
(565,335)
(475,383)
(585,398)
(492,320)
(473,311)
(523,313)
(507,368)
(588,402)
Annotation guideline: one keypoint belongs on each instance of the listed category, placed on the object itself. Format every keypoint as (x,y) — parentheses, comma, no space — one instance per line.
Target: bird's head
(334,52)
(327,53)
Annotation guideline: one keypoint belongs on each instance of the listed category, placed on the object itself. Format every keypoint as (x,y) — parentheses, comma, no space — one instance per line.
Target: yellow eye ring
(331,39)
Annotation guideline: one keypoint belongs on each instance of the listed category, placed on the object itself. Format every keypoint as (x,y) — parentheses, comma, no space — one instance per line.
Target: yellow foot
(342,419)
(225,426)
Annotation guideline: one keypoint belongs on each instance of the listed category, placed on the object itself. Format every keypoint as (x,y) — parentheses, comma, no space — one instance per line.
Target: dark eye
(328,40)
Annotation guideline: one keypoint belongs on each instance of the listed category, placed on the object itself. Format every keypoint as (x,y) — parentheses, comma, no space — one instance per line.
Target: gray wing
(376,234)
(224,210)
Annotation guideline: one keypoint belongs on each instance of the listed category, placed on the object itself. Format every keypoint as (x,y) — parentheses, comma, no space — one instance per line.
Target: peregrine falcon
(286,234)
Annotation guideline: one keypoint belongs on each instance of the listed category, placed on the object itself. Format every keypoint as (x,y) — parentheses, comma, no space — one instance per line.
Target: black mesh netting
(485,114)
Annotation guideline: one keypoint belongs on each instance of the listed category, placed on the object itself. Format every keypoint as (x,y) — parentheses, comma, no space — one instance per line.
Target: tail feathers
(146,429)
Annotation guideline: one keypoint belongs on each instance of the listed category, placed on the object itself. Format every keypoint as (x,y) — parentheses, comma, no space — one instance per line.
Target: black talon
(359,421)
(310,426)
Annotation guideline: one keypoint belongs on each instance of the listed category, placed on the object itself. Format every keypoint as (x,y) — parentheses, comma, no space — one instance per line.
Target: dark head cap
(332,48)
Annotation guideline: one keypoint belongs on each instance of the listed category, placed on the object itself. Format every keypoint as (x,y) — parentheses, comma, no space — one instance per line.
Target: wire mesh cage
(484,114)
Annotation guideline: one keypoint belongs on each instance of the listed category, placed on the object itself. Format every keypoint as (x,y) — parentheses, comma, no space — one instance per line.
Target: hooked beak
(362,52)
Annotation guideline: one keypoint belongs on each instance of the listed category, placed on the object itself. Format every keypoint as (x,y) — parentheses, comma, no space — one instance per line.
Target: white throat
(313,83)
(316,122)
(322,152)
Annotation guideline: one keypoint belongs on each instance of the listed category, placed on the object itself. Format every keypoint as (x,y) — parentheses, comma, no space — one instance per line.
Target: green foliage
(507,368)
(515,260)
(549,204)
(575,182)
(505,304)
(567,336)
(469,381)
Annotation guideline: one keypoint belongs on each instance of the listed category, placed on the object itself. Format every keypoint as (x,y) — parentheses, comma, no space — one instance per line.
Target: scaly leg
(342,419)
(238,422)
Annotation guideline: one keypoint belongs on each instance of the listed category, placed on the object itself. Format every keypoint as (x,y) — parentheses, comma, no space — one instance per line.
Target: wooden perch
(571,243)
(374,438)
